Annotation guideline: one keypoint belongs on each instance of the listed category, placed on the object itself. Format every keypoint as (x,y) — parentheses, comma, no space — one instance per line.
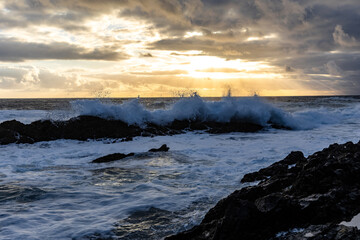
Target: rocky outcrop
(118,156)
(90,127)
(163,148)
(112,157)
(80,128)
(314,194)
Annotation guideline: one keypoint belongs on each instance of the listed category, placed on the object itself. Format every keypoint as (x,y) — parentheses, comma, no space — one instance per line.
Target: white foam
(355,222)
(252,109)
(198,166)
(24,116)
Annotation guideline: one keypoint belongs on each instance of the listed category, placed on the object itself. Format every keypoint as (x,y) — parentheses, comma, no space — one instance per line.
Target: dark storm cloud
(252,51)
(17,51)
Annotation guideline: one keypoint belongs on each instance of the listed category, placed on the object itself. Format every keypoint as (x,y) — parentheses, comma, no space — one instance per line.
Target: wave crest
(194,108)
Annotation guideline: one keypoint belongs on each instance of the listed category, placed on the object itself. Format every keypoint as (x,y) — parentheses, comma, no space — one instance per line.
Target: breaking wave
(194,108)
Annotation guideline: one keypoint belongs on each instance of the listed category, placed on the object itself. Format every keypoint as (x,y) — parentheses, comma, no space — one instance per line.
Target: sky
(165,48)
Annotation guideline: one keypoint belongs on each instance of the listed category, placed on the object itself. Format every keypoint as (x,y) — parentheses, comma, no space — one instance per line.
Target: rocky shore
(296,198)
(90,127)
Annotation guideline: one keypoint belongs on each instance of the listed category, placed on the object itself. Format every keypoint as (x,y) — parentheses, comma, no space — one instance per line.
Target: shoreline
(296,198)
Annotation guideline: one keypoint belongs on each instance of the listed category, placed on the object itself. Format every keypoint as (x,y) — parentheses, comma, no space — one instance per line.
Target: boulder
(112,157)
(163,148)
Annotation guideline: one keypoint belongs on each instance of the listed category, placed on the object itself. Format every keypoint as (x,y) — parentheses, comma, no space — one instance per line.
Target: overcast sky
(119,48)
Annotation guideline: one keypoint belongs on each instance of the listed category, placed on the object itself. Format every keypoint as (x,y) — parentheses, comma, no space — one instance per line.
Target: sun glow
(261,38)
(219,68)
(193,34)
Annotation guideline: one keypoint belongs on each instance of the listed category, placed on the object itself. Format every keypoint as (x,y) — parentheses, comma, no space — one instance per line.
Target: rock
(163,148)
(79,128)
(91,127)
(7,136)
(112,157)
(215,127)
(314,193)
(280,167)
(127,139)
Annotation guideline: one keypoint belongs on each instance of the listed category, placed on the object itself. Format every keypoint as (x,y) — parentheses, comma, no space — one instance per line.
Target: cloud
(343,39)
(289,69)
(333,69)
(30,76)
(320,39)
(146,55)
(16,51)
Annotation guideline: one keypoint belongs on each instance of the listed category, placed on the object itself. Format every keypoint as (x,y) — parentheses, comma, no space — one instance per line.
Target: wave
(228,109)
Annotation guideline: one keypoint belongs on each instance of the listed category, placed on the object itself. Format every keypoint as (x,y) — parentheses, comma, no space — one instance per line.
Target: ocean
(51,190)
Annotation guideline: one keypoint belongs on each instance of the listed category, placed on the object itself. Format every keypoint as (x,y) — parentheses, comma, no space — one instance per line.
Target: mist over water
(51,190)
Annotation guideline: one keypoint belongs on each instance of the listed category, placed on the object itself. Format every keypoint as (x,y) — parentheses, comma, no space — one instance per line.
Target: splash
(229,109)
(193,108)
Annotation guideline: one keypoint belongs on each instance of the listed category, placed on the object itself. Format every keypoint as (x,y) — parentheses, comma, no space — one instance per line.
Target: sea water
(50,190)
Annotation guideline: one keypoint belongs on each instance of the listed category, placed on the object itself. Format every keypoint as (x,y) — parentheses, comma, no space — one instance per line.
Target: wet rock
(316,193)
(91,127)
(278,168)
(112,157)
(127,139)
(163,148)
(79,128)
(7,136)
(215,127)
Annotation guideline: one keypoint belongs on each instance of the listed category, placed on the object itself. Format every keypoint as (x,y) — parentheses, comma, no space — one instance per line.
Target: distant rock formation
(297,198)
(90,127)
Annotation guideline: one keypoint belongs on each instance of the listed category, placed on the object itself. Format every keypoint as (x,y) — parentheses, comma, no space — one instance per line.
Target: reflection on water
(20,194)
(147,224)
(154,223)
(118,176)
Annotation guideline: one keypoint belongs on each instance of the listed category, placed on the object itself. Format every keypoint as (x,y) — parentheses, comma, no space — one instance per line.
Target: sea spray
(194,108)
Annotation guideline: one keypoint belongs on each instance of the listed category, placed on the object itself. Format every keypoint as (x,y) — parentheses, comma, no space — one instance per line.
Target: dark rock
(7,136)
(91,127)
(79,128)
(215,127)
(163,148)
(127,139)
(278,168)
(112,157)
(317,192)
